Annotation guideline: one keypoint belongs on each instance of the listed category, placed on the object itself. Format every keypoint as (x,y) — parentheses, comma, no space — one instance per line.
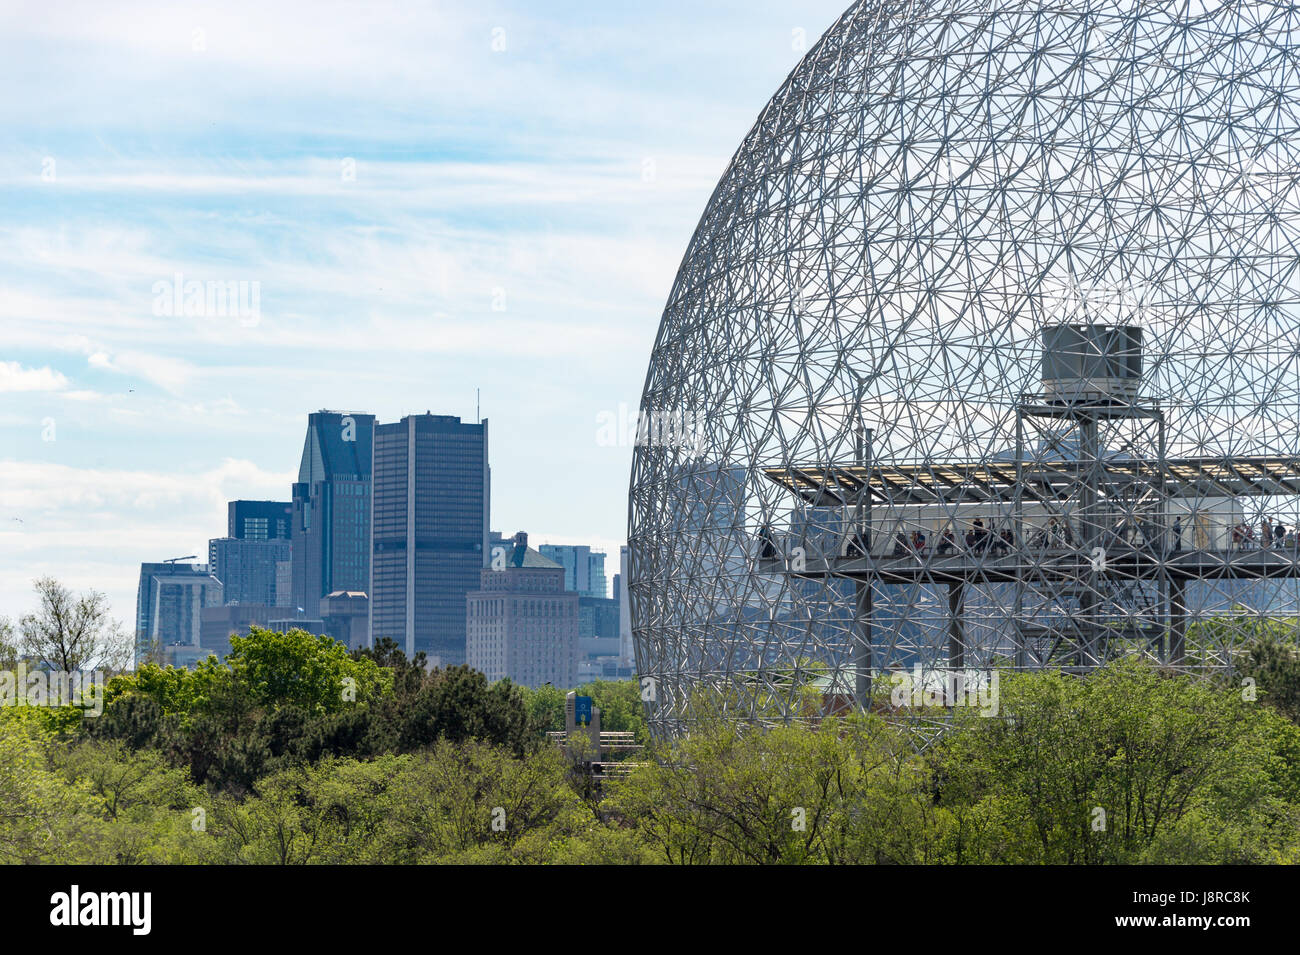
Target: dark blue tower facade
(331,508)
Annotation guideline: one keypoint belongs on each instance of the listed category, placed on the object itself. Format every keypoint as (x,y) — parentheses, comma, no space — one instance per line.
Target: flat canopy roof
(994,481)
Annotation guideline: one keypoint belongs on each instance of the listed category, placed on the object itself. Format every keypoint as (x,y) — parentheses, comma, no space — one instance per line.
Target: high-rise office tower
(430,532)
(584,570)
(169,605)
(259,520)
(331,508)
(247,568)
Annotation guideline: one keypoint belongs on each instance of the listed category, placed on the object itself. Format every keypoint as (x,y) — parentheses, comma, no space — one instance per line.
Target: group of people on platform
(1056,533)
(1271,534)
(980,538)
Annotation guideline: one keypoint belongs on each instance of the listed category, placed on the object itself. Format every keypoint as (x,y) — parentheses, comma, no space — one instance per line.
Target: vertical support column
(956,640)
(1091,524)
(1022,542)
(1162,465)
(862,500)
(862,657)
(1177,620)
(1165,547)
(862,652)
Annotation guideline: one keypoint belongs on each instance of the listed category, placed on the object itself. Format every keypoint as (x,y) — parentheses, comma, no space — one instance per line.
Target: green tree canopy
(312,672)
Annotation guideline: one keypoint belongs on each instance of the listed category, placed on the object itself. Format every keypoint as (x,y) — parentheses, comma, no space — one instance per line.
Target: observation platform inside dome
(1087,514)
(1052,563)
(987,482)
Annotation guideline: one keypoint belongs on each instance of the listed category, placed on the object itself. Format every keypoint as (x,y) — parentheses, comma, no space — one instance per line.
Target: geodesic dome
(986,351)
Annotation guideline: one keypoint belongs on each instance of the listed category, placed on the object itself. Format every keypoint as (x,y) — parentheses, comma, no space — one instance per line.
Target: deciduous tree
(73,632)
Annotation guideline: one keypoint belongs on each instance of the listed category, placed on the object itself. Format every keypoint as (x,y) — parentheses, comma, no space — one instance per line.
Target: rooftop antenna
(478,407)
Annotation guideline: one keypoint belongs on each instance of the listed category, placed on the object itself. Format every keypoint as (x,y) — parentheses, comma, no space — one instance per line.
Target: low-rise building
(217,624)
(521,623)
(346,615)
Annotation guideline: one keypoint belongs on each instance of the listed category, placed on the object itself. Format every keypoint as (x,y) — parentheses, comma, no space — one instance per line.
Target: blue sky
(431,198)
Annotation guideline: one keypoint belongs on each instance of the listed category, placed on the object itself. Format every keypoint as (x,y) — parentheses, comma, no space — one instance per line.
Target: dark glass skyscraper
(259,520)
(431,486)
(331,508)
(247,568)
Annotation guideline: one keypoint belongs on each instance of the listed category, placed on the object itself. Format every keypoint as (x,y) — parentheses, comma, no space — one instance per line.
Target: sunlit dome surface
(855,339)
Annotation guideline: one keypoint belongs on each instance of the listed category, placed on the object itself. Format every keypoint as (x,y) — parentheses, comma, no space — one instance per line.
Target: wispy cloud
(94,526)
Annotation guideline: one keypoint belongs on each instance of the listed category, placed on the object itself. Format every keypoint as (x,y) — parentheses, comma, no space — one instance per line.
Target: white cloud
(56,490)
(14,377)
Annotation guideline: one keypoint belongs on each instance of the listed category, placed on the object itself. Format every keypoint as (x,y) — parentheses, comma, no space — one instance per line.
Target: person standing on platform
(1242,535)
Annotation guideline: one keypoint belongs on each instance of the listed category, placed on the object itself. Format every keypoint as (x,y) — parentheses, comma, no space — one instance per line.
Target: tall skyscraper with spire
(331,508)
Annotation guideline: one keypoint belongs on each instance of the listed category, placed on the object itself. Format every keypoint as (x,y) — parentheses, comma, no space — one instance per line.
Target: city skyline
(201,159)
(734,434)
(364,488)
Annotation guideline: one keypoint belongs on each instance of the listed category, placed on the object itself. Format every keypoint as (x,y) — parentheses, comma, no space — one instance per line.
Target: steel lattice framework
(986,351)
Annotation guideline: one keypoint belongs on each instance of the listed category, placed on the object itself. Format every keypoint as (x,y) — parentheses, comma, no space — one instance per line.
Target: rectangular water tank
(1092,362)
